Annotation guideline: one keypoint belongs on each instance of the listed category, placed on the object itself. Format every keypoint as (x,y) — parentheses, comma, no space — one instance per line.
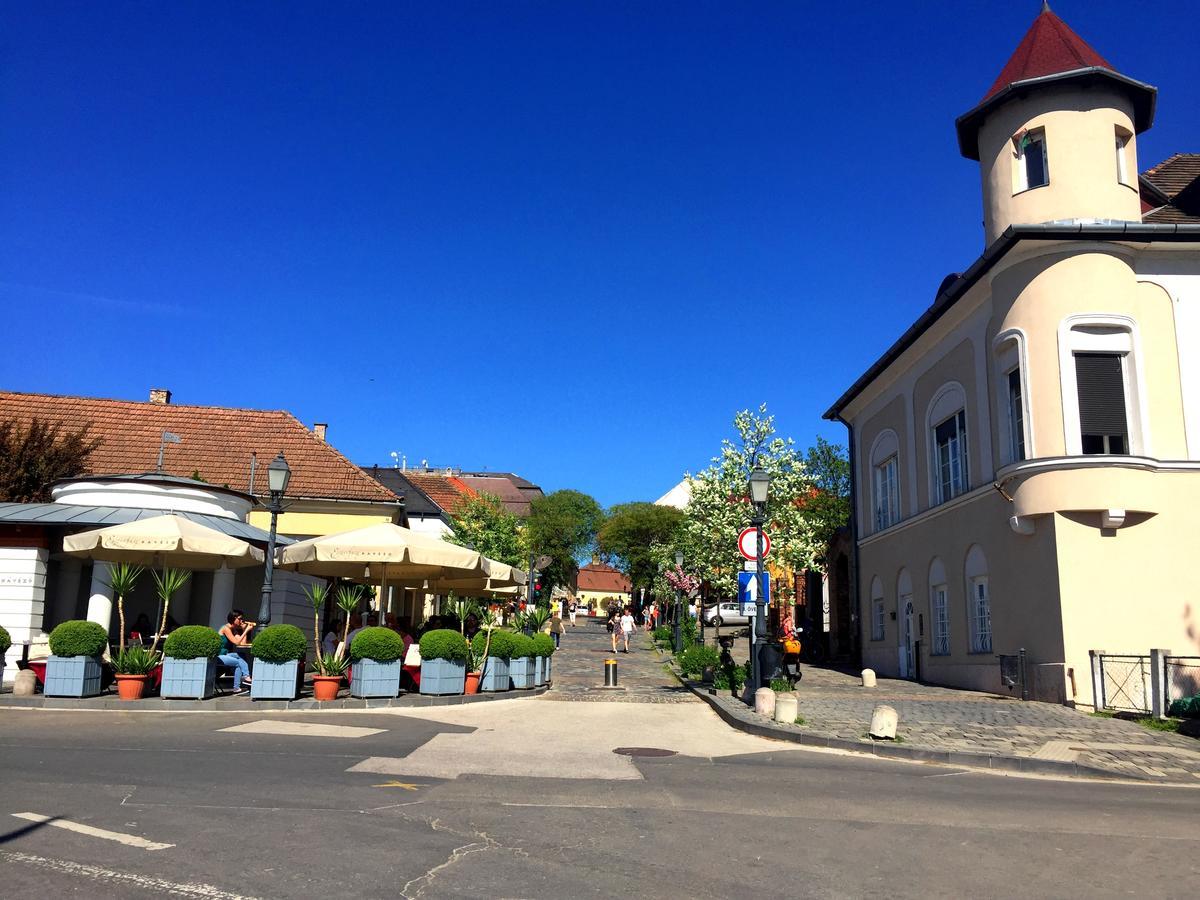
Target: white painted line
(108,876)
(129,840)
(303,729)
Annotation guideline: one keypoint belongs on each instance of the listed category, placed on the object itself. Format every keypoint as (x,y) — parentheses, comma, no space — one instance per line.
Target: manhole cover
(643,751)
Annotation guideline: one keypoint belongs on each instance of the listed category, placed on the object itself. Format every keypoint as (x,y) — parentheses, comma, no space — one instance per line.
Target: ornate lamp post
(678,605)
(278,476)
(760,483)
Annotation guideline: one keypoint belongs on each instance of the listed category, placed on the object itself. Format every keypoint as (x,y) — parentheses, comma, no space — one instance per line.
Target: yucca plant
(332,664)
(317,594)
(167,583)
(123,578)
(347,597)
(517,621)
(487,622)
(463,608)
(135,660)
(537,618)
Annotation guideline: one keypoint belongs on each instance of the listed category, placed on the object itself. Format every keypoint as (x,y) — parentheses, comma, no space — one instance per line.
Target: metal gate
(1125,683)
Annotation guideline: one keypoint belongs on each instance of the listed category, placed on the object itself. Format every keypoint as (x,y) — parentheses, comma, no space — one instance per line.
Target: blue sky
(564,239)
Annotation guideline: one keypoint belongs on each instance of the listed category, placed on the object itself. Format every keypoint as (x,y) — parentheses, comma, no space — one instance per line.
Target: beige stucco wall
(1080,128)
(957,365)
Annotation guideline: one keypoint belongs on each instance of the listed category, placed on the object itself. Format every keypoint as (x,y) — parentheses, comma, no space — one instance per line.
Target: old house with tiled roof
(599,585)
(1033,439)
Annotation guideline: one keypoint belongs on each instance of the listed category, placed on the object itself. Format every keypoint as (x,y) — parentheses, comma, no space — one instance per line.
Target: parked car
(725,614)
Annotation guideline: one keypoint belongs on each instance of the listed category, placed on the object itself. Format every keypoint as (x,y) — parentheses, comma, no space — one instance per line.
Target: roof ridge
(147,403)
(358,472)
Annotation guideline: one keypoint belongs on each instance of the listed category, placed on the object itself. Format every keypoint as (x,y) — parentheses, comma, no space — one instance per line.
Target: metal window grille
(941,622)
(981,617)
(877,619)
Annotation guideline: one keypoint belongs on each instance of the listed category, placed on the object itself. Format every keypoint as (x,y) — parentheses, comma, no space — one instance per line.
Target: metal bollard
(610,673)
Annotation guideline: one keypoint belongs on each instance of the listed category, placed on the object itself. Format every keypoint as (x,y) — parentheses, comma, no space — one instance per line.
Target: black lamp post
(678,607)
(278,476)
(760,483)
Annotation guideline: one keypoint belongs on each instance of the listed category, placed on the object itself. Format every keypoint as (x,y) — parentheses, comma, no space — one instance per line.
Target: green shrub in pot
(443,643)
(192,642)
(543,645)
(280,644)
(78,637)
(277,674)
(73,669)
(190,662)
(378,644)
(500,645)
(444,658)
(522,647)
(5,641)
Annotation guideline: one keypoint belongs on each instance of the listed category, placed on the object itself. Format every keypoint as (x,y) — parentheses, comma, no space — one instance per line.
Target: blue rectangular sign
(748,591)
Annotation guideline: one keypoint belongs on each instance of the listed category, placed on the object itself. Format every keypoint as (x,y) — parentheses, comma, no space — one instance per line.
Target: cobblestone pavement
(834,704)
(643,673)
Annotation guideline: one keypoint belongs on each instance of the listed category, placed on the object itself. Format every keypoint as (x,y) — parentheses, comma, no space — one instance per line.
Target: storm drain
(643,751)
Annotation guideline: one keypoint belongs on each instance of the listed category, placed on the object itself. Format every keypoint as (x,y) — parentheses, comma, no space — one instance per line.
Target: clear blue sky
(566,239)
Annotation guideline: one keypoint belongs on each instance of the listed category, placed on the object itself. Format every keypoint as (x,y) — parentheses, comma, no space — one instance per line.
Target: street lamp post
(278,476)
(760,483)
(678,605)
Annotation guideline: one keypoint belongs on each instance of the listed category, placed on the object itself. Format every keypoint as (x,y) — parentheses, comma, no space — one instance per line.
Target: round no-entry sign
(748,544)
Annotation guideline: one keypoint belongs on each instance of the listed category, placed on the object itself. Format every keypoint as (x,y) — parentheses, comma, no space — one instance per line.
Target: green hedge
(1185,708)
(279,644)
(501,645)
(5,641)
(694,659)
(444,643)
(78,638)
(192,642)
(663,634)
(543,644)
(522,646)
(378,644)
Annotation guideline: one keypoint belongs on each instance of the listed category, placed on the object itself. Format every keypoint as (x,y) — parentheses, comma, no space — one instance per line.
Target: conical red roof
(1048,48)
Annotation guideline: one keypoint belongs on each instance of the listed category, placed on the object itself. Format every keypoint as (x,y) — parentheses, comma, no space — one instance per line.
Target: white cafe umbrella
(166,540)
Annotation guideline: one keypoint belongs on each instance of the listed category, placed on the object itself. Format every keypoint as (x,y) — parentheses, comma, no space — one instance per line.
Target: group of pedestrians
(621,624)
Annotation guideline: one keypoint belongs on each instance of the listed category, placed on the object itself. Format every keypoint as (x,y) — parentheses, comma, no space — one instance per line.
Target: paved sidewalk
(955,725)
(643,673)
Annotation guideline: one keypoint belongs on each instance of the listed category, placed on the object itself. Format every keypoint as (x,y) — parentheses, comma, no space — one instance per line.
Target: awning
(69,515)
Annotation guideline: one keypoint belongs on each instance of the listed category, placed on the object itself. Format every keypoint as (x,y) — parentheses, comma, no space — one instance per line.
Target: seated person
(236,633)
(333,637)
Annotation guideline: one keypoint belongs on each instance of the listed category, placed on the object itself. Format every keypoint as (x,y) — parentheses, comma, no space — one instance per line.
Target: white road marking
(129,840)
(108,876)
(303,729)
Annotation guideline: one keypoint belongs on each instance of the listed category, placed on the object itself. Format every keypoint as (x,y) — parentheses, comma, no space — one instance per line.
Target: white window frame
(1103,333)
(884,449)
(887,493)
(1009,351)
(949,400)
(939,619)
(1122,137)
(1020,174)
(979,615)
(878,614)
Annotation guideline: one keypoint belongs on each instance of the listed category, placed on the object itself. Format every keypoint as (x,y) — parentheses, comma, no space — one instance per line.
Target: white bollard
(787,707)
(764,702)
(883,723)
(25,683)
(868,677)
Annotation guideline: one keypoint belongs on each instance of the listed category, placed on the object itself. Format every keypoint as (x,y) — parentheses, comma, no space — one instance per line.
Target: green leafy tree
(484,523)
(829,507)
(562,526)
(35,455)
(629,534)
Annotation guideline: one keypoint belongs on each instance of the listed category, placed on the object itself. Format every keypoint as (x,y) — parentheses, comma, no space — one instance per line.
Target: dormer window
(1032,170)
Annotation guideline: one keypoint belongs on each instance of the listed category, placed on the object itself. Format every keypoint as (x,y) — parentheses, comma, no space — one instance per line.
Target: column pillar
(22,599)
(100,599)
(222,598)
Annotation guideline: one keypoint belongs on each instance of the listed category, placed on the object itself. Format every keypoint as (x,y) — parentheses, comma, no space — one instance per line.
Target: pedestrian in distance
(627,626)
(571,611)
(557,629)
(613,626)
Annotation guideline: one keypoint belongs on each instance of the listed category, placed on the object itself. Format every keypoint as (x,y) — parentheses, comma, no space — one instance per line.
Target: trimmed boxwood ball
(443,643)
(543,644)
(192,642)
(5,640)
(501,646)
(279,644)
(378,644)
(522,646)
(78,637)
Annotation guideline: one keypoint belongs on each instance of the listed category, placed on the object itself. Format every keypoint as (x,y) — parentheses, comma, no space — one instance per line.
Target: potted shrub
(543,647)
(444,656)
(330,668)
(132,668)
(493,649)
(5,643)
(377,654)
(73,669)
(190,662)
(520,667)
(278,652)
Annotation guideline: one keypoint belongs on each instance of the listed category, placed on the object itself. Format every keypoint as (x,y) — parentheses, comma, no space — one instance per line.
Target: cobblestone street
(644,675)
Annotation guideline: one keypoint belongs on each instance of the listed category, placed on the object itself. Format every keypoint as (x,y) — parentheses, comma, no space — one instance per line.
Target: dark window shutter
(1101,389)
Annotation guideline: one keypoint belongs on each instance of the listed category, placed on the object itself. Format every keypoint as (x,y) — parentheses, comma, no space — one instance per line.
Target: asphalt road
(279,815)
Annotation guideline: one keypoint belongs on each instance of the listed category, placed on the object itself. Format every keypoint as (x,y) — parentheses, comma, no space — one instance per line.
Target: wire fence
(1125,683)
(1181,677)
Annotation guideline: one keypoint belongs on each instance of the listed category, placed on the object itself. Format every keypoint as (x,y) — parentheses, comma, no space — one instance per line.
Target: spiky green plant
(134,660)
(317,594)
(123,578)
(537,618)
(332,664)
(347,597)
(167,583)
(462,608)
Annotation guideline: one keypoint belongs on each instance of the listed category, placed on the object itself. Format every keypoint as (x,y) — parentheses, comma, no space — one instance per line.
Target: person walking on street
(614,626)
(557,629)
(571,611)
(627,626)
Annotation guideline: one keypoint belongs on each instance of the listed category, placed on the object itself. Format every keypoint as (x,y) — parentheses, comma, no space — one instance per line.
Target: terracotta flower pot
(131,687)
(325,687)
(472,683)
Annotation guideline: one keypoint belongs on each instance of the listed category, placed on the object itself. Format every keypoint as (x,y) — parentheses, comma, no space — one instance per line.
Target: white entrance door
(907,668)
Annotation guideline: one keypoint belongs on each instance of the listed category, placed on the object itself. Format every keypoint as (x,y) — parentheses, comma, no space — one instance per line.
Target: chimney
(319,429)
(161,396)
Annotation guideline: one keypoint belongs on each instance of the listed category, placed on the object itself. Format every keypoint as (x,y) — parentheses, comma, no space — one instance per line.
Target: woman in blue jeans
(236,634)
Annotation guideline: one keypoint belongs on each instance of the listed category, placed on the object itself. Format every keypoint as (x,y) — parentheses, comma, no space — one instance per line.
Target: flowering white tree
(720,505)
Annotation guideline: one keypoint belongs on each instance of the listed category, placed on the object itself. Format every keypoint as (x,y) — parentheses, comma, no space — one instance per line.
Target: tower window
(1032,170)
(1103,424)
(1122,139)
(1016,417)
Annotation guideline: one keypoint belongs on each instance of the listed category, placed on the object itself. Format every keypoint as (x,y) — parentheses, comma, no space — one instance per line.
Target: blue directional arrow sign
(748,591)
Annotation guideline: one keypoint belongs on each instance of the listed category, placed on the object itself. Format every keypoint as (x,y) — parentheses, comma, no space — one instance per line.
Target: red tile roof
(444,490)
(216,442)
(599,577)
(1050,47)
(514,499)
(1171,190)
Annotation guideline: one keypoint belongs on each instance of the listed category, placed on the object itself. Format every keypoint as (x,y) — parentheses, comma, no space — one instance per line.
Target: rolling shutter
(1101,386)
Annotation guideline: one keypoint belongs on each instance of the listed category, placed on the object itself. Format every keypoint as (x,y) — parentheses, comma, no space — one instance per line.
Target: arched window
(1104,411)
(939,608)
(946,424)
(979,603)
(877,612)
(885,479)
(1012,397)
(906,616)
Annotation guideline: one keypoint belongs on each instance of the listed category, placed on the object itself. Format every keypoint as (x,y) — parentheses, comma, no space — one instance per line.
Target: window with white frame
(941,621)
(887,494)
(877,613)
(1102,405)
(980,616)
(1016,415)
(950,456)
(1123,137)
(1012,402)
(1032,169)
